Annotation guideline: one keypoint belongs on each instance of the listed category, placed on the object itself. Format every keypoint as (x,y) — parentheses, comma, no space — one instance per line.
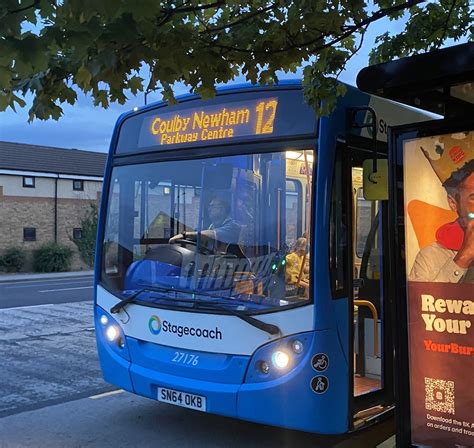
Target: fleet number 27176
(186,358)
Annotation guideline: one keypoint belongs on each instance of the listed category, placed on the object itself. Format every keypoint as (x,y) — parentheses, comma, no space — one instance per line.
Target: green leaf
(5,78)
(4,101)
(83,78)
(101,46)
(135,84)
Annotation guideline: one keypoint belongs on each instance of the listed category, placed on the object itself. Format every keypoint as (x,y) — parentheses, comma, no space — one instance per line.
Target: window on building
(28,182)
(29,234)
(78,185)
(77,233)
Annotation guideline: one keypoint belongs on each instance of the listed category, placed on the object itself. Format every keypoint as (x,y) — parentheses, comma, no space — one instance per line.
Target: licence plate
(178,398)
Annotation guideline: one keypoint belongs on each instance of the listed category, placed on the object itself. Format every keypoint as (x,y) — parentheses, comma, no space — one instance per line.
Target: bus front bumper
(235,386)
(284,400)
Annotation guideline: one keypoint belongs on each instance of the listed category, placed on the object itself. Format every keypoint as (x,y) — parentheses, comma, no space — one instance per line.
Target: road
(128,421)
(52,393)
(39,292)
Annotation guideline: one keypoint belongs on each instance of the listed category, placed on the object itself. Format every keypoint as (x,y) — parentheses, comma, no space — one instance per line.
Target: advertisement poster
(439,237)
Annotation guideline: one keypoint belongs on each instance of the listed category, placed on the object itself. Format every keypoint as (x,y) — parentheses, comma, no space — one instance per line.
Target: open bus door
(359,228)
(372,387)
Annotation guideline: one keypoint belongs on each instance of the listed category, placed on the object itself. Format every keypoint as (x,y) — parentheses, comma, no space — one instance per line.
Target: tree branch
(170,12)
(216,4)
(373,18)
(453,4)
(241,20)
(353,53)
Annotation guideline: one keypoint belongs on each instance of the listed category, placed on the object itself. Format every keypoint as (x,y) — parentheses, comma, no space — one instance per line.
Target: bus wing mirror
(375,181)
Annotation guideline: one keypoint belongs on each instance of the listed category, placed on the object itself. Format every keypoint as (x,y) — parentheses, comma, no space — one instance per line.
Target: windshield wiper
(203,304)
(268,328)
(133,297)
(193,292)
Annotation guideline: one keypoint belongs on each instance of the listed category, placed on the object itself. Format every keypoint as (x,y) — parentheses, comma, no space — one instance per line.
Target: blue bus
(240,268)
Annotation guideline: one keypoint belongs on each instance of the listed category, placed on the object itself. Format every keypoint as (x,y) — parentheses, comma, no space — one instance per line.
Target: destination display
(212,123)
(225,119)
(439,236)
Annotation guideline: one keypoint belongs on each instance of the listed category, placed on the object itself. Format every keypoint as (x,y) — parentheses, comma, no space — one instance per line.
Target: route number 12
(266,111)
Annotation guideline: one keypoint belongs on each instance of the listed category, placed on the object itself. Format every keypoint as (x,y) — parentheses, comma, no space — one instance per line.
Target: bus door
(367,247)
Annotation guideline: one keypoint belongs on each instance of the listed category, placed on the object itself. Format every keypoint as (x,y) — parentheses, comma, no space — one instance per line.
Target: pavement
(48,355)
(20,277)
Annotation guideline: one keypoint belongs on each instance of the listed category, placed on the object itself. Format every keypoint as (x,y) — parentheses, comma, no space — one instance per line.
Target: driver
(222,230)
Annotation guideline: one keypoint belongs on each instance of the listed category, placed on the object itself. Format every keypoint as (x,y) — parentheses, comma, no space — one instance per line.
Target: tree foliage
(86,244)
(53,48)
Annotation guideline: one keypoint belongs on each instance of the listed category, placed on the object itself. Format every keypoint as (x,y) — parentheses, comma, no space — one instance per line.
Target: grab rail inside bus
(373,310)
(308,216)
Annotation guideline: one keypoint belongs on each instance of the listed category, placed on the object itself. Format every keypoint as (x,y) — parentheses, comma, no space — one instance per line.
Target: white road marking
(47,284)
(66,289)
(86,277)
(106,394)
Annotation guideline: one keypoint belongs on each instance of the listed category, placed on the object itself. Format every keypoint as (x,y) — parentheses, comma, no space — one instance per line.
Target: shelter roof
(440,81)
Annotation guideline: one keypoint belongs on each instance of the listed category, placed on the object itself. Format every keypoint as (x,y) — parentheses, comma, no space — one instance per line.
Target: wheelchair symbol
(320,362)
(319,384)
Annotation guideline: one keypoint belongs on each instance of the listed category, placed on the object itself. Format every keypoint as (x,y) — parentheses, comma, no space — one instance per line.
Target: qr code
(439,395)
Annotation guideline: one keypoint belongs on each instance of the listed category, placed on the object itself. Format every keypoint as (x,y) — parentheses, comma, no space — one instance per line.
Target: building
(44,194)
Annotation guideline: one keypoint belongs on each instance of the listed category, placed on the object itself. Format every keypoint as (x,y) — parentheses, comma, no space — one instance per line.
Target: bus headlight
(264,367)
(280,360)
(297,346)
(110,333)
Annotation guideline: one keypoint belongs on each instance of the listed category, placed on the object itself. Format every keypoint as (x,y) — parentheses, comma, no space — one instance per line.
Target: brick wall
(18,212)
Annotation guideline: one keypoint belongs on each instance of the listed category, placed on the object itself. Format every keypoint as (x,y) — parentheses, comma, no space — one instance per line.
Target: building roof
(46,159)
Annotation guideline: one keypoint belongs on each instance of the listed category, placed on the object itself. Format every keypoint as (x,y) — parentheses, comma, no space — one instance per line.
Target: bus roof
(236,114)
(227,89)
(435,81)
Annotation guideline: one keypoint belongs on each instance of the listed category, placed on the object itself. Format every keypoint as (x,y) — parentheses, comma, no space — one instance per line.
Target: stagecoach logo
(154,324)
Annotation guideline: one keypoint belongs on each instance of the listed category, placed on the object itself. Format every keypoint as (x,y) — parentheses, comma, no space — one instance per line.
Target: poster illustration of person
(439,239)
(450,256)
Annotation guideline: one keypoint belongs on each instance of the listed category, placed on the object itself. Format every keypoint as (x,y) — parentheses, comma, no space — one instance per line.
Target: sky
(84,126)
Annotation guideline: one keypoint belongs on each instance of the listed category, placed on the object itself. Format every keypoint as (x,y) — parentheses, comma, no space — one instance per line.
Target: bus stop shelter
(440,81)
(431,171)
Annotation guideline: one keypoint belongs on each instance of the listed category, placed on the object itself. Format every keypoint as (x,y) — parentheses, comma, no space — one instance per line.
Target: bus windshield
(233,230)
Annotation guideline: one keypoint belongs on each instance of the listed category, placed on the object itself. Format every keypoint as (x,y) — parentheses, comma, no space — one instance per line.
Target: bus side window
(338,234)
(294,215)
(364,217)
(364,224)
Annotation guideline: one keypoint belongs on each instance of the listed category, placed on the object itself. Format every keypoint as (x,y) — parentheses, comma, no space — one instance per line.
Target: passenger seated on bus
(222,231)
(294,260)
